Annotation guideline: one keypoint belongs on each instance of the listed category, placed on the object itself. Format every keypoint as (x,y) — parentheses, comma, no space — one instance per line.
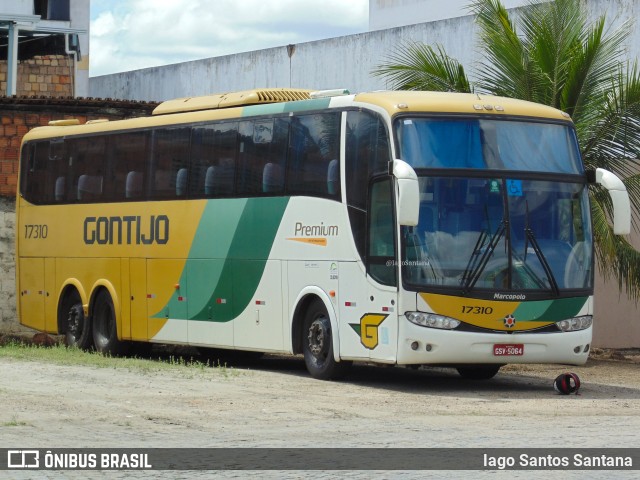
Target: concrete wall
(343,62)
(7,266)
(397,13)
(20,7)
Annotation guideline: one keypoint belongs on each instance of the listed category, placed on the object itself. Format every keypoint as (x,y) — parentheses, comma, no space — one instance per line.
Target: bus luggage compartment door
(32,293)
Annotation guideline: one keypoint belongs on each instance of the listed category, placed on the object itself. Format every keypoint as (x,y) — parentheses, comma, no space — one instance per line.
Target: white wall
(81,18)
(396,13)
(19,7)
(343,62)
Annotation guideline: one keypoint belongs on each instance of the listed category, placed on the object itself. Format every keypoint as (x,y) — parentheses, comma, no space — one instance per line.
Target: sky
(132,34)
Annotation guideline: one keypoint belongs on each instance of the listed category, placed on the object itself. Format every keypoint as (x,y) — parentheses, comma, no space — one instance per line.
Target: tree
(549,53)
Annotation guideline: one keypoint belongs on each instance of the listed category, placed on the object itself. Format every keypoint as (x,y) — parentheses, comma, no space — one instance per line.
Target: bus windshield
(500,234)
(488,144)
(484,222)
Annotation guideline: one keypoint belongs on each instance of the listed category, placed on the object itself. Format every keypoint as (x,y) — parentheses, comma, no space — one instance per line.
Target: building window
(52,9)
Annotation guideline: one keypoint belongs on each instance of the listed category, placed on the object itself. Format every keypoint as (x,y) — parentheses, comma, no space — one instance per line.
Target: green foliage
(184,366)
(549,53)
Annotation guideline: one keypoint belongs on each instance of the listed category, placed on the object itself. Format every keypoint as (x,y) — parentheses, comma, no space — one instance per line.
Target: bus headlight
(432,320)
(575,324)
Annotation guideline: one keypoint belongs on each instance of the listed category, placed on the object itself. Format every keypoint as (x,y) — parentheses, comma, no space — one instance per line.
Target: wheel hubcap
(74,322)
(317,338)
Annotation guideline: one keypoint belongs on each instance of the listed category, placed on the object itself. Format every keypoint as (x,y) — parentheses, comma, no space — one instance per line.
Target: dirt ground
(274,403)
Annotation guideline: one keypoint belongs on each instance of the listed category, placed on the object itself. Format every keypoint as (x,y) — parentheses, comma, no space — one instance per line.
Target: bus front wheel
(105,333)
(317,344)
(479,372)
(77,326)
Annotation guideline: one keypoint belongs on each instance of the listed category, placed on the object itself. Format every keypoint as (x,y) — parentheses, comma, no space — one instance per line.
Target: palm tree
(551,54)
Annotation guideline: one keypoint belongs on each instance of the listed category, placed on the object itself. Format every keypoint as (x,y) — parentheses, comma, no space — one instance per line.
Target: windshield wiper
(475,268)
(530,237)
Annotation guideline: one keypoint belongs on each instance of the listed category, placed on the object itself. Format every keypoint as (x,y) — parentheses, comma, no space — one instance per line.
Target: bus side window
(367,153)
(314,149)
(86,165)
(37,183)
(128,163)
(214,152)
(170,155)
(263,152)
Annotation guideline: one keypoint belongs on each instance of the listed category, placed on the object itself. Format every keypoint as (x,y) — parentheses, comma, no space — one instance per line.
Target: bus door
(380,325)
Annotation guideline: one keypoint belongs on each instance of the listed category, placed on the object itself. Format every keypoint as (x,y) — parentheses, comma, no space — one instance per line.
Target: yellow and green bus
(403,228)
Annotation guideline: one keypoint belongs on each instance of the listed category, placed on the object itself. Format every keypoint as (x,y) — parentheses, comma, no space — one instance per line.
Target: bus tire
(77,327)
(105,332)
(479,372)
(317,344)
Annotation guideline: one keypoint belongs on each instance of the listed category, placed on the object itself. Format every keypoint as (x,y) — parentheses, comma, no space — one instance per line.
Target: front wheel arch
(302,303)
(318,344)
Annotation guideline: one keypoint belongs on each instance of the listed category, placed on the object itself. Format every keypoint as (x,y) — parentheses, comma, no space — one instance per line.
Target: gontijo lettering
(126,230)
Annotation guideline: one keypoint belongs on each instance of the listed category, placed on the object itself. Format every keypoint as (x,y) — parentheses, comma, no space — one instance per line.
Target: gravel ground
(274,403)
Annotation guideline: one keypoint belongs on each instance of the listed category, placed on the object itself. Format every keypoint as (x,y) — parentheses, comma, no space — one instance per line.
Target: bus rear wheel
(479,372)
(77,326)
(105,332)
(317,344)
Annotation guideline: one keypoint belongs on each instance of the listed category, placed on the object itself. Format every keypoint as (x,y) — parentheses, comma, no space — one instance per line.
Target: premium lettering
(128,230)
(321,230)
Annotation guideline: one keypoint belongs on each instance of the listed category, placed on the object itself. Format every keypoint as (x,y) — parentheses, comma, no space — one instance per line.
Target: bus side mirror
(619,199)
(408,194)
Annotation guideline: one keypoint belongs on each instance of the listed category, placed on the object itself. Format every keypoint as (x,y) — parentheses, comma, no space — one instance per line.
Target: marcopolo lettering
(128,230)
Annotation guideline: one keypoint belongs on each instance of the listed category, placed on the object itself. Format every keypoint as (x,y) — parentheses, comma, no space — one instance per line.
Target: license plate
(501,350)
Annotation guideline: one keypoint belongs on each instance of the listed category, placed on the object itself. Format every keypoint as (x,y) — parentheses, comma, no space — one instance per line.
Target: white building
(55,26)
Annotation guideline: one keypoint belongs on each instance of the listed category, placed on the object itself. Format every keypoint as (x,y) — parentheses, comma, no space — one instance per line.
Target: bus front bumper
(422,345)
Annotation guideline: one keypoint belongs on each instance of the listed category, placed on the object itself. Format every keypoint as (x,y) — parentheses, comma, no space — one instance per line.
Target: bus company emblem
(509,321)
(368,329)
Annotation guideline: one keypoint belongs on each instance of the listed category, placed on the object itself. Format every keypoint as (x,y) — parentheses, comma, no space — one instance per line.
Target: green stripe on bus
(228,263)
(550,310)
(272,108)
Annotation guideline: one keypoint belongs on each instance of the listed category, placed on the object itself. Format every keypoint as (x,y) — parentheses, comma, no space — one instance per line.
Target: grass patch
(14,422)
(188,366)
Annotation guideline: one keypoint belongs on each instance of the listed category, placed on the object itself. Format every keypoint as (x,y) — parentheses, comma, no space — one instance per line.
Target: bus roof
(261,101)
(464,103)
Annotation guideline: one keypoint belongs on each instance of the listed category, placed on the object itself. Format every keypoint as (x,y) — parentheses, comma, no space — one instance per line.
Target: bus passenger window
(35,177)
(170,156)
(263,152)
(85,162)
(128,163)
(213,160)
(314,149)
